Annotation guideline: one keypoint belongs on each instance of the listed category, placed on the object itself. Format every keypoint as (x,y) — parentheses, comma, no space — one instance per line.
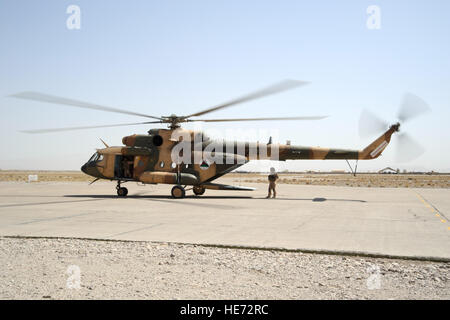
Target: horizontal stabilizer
(217,186)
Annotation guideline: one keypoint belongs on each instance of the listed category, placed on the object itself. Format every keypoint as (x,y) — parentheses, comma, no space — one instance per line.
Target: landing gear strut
(178,192)
(121,191)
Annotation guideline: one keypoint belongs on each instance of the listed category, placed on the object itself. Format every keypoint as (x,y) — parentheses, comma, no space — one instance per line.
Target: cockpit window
(94,157)
(100,158)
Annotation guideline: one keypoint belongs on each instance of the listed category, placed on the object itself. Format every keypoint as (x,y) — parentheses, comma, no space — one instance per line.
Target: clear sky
(163,57)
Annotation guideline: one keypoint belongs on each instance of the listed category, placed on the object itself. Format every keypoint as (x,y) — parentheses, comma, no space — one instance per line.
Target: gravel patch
(43,268)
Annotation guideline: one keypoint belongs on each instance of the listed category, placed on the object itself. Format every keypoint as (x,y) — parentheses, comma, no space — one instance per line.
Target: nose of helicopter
(89,169)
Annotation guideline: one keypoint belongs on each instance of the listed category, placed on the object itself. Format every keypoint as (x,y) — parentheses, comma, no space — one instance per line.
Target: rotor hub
(396,127)
(173,120)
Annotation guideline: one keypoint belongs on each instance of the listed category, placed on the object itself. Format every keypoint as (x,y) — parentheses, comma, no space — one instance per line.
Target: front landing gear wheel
(178,192)
(198,191)
(122,192)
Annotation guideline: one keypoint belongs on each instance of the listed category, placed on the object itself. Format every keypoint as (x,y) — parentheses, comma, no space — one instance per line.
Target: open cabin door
(124,167)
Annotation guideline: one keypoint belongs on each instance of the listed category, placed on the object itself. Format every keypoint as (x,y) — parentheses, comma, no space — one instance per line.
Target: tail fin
(375,149)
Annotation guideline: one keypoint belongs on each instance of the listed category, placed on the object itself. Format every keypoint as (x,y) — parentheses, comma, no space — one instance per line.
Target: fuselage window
(100,158)
(173,165)
(157,140)
(161,164)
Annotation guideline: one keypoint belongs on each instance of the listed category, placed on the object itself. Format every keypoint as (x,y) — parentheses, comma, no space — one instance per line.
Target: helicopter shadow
(138,196)
(169,200)
(322,199)
(144,196)
(168,197)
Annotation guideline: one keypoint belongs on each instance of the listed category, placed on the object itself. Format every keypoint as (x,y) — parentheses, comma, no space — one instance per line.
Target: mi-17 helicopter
(150,158)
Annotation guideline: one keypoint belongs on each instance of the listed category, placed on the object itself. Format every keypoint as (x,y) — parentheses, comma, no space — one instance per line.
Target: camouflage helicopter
(149,158)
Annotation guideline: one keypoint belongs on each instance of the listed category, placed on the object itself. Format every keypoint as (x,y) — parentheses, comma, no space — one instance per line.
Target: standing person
(127,164)
(130,165)
(273,177)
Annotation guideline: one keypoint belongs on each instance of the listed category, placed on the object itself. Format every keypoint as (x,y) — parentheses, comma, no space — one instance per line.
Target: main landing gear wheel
(198,191)
(122,192)
(178,192)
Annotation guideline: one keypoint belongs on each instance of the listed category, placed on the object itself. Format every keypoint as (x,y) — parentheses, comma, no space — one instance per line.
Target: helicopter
(183,158)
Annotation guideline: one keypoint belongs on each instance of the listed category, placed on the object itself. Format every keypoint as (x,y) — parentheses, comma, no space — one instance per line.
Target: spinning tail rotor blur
(407,148)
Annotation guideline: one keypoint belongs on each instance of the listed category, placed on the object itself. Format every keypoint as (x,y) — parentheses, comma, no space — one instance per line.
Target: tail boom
(372,151)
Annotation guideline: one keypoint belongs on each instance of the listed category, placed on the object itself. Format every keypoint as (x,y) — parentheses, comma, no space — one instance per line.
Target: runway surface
(387,221)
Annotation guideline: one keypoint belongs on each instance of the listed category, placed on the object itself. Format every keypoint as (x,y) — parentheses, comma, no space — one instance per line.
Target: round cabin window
(161,164)
(157,140)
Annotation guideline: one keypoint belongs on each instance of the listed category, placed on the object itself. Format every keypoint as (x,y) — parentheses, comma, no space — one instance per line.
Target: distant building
(389,170)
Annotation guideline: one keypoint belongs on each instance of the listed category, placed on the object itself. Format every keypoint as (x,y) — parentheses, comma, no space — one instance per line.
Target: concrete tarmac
(402,222)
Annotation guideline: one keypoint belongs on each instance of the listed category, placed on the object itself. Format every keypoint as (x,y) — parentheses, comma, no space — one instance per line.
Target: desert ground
(43,269)
(360,180)
(403,180)
(44,176)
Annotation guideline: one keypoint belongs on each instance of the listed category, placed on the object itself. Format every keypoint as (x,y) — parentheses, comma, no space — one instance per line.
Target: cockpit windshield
(94,157)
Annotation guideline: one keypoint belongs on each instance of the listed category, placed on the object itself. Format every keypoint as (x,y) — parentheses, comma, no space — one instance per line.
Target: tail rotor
(370,124)
(412,106)
(407,148)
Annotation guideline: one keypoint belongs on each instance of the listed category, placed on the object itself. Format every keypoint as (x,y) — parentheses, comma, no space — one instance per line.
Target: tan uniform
(272,184)
(127,168)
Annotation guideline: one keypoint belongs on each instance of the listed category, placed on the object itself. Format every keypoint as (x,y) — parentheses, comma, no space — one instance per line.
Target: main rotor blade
(41,97)
(86,127)
(260,119)
(370,124)
(407,148)
(276,88)
(411,107)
